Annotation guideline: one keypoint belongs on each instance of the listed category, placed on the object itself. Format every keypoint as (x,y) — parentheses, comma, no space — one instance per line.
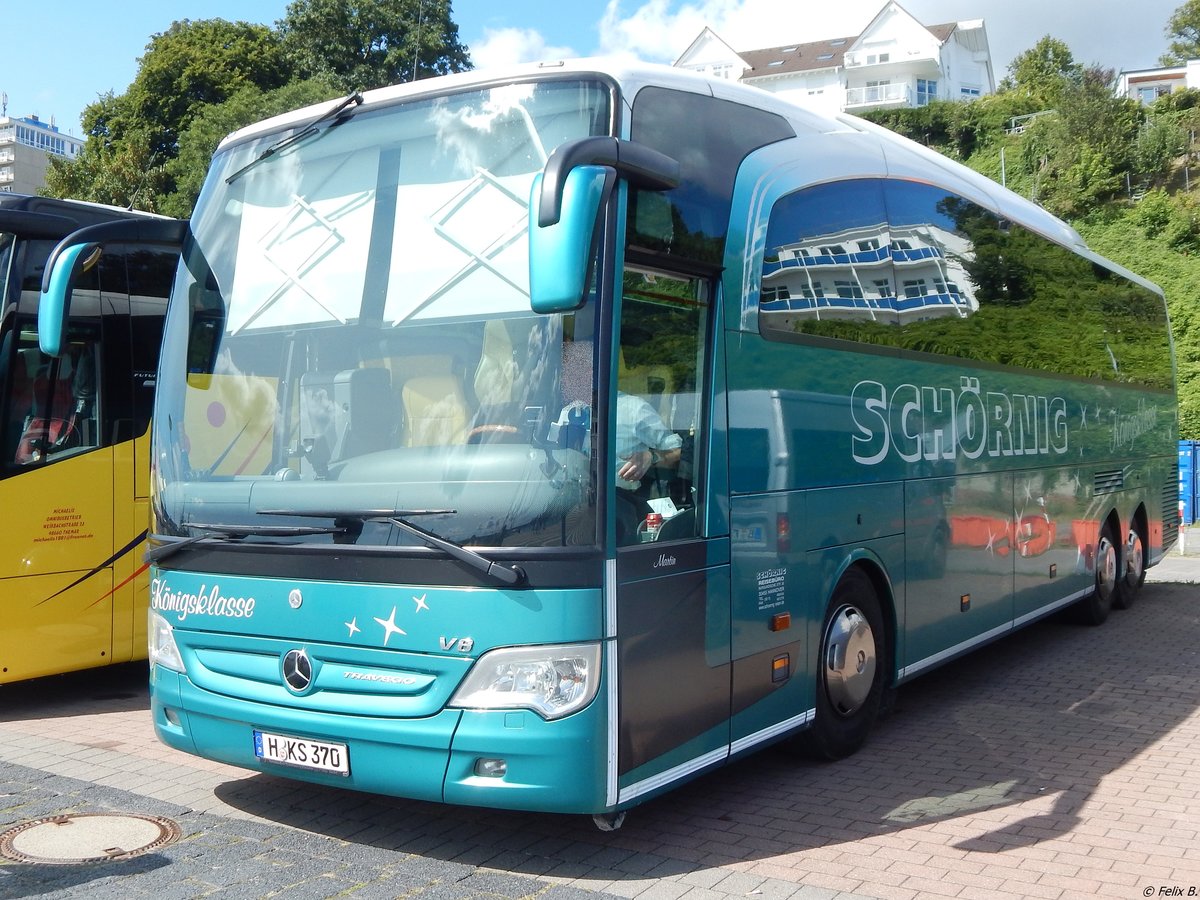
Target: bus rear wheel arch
(854,668)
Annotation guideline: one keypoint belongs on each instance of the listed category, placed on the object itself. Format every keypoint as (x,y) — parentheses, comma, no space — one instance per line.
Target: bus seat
(435,410)
(680,526)
(369,425)
(496,374)
(345,414)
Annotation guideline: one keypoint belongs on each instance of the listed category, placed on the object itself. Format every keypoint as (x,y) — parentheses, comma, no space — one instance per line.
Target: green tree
(1080,155)
(1183,29)
(133,137)
(1043,72)
(197,63)
(120,173)
(215,121)
(373,43)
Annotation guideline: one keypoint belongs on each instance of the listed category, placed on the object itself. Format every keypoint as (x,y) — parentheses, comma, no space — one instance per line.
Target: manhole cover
(86,837)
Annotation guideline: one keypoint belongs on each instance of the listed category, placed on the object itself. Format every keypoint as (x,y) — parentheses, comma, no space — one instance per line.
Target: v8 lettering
(462,645)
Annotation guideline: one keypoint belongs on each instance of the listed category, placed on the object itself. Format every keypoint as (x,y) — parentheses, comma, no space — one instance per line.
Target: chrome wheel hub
(849,660)
(1135,562)
(1106,568)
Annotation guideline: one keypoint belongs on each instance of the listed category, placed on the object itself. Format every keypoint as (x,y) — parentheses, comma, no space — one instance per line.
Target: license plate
(751,534)
(303,753)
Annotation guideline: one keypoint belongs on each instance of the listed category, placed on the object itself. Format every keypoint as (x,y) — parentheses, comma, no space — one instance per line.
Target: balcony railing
(879,95)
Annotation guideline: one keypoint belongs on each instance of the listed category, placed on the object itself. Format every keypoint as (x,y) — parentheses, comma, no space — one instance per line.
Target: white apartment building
(895,61)
(26,145)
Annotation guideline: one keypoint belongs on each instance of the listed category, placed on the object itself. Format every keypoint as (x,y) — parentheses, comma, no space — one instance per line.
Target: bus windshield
(351,334)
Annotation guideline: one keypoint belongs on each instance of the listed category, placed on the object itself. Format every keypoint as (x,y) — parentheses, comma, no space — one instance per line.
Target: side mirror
(564,211)
(54,307)
(560,254)
(82,249)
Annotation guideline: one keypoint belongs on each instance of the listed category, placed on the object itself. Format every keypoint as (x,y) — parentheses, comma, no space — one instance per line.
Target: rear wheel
(1134,575)
(853,669)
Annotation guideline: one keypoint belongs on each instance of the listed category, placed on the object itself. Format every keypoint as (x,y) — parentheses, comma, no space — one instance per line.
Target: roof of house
(826,54)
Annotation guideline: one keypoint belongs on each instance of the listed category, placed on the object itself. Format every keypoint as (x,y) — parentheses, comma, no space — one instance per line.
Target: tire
(1133,569)
(1094,608)
(854,666)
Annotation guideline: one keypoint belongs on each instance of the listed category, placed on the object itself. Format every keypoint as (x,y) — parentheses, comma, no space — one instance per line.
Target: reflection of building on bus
(74,449)
(880,273)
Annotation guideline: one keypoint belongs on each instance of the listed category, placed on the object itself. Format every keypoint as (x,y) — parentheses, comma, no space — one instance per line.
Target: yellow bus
(74,464)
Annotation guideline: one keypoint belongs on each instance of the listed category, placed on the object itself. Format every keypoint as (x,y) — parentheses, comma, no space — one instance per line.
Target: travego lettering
(930,423)
(205,602)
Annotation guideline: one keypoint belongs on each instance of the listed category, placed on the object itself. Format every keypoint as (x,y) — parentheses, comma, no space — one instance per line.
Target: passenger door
(672,582)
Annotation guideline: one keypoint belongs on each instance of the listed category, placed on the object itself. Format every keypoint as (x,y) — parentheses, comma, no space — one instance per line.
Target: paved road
(1061,762)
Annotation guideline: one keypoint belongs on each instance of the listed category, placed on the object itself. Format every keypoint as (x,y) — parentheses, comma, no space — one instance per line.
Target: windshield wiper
(398,518)
(339,114)
(219,533)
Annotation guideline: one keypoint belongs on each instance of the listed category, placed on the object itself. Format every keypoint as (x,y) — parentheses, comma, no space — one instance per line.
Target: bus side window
(60,404)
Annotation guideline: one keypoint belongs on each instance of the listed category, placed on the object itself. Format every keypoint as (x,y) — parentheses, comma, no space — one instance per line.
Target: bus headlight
(161,643)
(553,681)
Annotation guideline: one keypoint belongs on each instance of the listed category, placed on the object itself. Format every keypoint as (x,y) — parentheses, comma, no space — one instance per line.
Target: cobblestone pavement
(1061,762)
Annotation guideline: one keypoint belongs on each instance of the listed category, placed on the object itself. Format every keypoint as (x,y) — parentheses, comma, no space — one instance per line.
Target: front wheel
(854,663)
(1094,609)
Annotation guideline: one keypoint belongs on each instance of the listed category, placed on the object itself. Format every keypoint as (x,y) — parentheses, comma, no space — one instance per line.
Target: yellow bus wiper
(219,533)
(399,517)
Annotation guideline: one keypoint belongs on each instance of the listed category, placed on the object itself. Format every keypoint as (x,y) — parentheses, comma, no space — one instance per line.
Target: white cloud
(506,46)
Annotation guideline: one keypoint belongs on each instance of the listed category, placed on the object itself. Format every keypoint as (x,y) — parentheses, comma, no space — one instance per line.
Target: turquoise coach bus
(542,439)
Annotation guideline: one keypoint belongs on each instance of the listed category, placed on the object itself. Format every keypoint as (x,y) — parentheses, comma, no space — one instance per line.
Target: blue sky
(61,55)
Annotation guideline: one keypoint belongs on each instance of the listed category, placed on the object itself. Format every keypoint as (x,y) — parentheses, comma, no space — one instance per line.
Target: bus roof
(50,217)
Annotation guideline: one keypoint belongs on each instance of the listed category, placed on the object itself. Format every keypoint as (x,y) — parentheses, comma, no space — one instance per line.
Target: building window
(926,91)
(1148,95)
(969,92)
(849,290)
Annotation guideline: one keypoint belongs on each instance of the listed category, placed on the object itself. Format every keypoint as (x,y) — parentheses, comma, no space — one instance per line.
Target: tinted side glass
(709,138)
(948,277)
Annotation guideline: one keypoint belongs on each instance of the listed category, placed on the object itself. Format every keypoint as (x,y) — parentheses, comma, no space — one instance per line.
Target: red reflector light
(783,533)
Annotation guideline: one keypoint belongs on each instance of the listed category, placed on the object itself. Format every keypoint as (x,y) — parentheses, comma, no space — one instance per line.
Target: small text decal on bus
(932,423)
(205,602)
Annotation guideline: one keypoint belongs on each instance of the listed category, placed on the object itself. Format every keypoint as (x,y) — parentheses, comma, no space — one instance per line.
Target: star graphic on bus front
(389,627)
(421,604)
